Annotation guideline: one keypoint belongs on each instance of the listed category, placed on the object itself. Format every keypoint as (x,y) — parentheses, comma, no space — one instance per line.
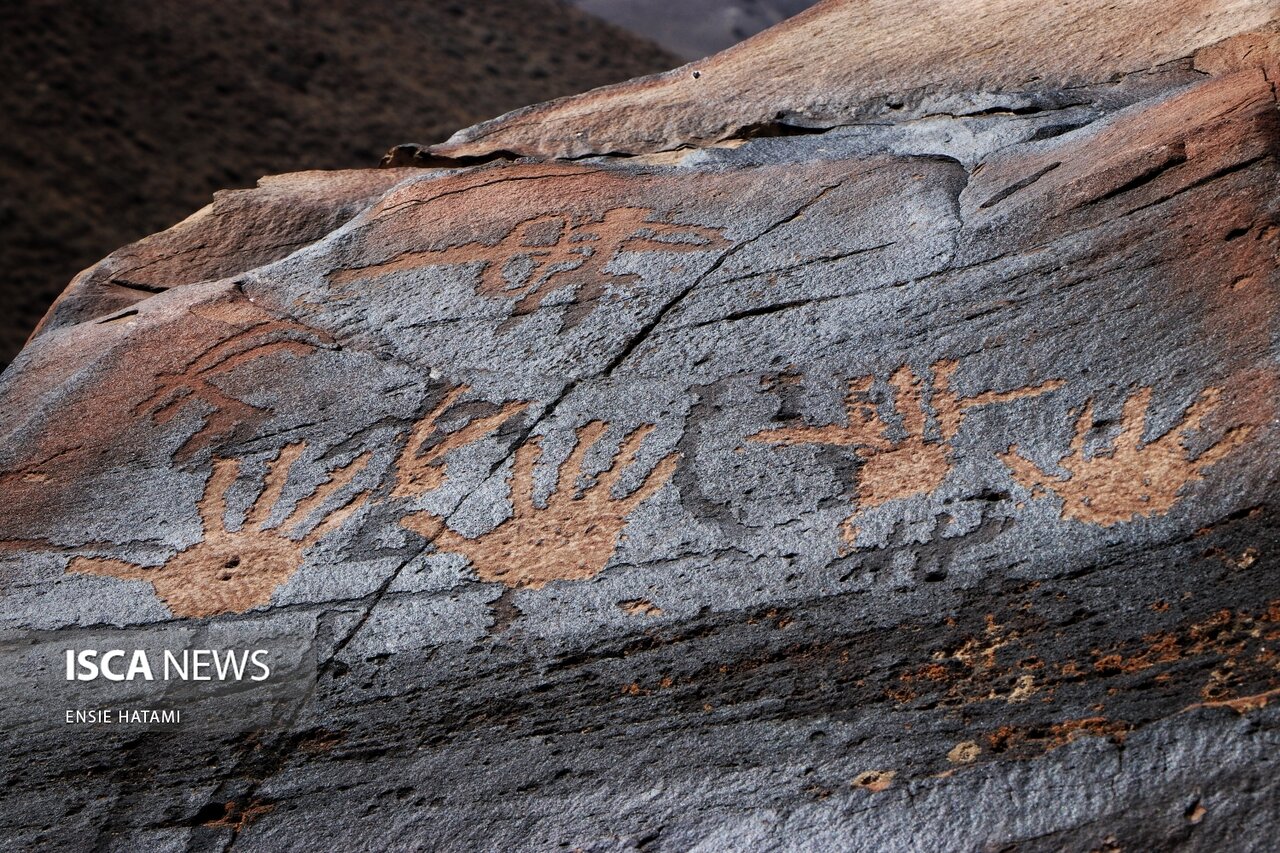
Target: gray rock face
(898,485)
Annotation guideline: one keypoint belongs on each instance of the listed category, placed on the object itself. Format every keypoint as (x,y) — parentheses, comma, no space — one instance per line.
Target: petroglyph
(197,384)
(234,570)
(421,465)
(556,251)
(1129,479)
(911,460)
(874,781)
(574,535)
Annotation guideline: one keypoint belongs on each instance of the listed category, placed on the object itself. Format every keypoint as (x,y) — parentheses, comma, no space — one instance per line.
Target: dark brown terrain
(694,28)
(119,119)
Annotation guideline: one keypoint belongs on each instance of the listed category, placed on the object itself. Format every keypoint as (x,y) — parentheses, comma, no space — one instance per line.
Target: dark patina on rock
(903,483)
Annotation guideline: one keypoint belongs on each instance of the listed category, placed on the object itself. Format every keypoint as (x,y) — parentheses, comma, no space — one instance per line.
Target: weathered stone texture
(905,484)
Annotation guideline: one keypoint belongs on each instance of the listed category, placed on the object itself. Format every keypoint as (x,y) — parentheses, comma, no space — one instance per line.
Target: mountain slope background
(120,119)
(693,29)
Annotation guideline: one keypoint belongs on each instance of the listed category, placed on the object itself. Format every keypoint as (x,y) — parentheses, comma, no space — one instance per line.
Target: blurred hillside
(119,119)
(693,29)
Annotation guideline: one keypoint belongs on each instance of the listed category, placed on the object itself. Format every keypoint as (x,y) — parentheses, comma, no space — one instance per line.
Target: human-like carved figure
(912,462)
(176,392)
(420,466)
(234,570)
(1130,479)
(555,251)
(573,536)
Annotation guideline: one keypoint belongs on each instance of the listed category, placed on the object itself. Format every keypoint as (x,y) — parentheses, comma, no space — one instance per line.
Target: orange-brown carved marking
(639,607)
(903,468)
(573,536)
(1238,647)
(557,250)
(874,781)
(1027,741)
(420,467)
(237,818)
(1243,704)
(1130,479)
(195,382)
(231,571)
(965,752)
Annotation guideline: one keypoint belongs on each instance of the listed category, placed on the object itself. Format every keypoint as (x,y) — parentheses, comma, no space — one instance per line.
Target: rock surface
(908,482)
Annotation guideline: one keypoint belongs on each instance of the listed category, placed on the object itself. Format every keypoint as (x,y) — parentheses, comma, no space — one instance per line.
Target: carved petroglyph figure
(573,536)
(234,570)
(556,251)
(1129,479)
(912,462)
(197,385)
(421,465)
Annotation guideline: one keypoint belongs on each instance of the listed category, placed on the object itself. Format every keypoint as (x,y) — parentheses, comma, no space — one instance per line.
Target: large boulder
(864,439)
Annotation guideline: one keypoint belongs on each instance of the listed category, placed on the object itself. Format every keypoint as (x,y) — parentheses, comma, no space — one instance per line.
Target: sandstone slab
(909,484)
